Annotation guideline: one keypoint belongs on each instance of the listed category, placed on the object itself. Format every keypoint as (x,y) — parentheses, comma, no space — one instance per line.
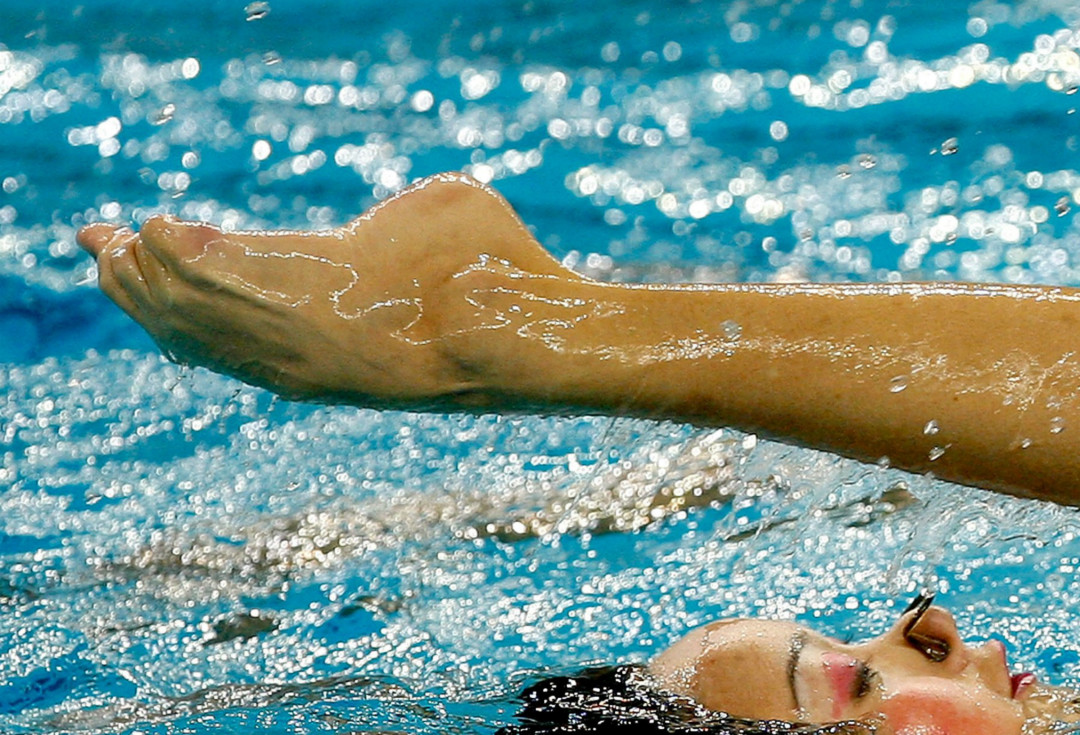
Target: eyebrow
(795,648)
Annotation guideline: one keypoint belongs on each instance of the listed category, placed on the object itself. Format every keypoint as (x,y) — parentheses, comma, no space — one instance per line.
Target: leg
(440,298)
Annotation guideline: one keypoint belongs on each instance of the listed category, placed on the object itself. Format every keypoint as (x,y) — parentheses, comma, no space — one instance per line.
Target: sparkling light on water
(180,551)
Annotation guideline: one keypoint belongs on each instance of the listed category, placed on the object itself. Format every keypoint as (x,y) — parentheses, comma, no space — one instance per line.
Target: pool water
(180,553)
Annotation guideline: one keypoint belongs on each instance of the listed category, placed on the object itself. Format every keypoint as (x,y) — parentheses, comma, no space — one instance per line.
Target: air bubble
(1025,443)
(843,171)
(1061,206)
(257,10)
(1057,425)
(271,57)
(936,453)
(931,427)
(867,162)
(950,146)
(898,384)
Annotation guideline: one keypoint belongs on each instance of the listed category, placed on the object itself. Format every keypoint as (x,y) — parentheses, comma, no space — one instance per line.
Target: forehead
(743,667)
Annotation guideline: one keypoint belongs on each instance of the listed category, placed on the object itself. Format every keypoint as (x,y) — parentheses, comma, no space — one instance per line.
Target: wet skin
(440,298)
(777,670)
(360,313)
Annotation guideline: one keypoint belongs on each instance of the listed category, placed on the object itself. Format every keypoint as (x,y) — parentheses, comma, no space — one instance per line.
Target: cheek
(942,708)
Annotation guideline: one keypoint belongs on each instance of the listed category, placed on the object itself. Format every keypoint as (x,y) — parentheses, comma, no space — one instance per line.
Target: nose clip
(933,648)
(922,603)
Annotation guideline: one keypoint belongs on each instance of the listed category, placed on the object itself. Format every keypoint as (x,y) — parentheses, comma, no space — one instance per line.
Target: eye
(933,647)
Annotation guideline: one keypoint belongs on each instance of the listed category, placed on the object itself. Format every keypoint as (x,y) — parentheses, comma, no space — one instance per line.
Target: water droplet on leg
(732,330)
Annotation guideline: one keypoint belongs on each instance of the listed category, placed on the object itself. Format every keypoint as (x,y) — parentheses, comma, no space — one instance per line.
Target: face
(919,678)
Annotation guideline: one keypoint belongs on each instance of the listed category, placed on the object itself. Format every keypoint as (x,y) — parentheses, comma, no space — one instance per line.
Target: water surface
(180,553)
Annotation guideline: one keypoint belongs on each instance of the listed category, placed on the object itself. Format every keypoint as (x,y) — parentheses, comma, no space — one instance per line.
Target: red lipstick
(1022,684)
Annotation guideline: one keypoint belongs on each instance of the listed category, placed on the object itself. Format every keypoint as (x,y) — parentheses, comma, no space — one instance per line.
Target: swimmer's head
(918,678)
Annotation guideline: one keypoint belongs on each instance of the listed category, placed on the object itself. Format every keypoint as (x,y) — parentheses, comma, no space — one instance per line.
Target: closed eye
(866,680)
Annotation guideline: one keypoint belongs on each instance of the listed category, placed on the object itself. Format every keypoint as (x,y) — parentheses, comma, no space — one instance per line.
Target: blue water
(183,554)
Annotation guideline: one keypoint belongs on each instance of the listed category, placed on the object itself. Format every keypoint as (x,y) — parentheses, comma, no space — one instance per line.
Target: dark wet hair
(622,699)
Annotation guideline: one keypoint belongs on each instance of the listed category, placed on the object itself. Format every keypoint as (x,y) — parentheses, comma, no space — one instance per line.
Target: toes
(120,276)
(96,237)
(174,242)
(131,277)
(114,289)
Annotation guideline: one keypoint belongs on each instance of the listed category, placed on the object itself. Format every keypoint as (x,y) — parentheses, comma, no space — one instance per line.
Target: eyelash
(865,679)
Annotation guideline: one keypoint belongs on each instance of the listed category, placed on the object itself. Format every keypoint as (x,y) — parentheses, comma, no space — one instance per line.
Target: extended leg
(440,298)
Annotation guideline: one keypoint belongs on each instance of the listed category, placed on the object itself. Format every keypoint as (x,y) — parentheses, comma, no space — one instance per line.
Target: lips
(1022,684)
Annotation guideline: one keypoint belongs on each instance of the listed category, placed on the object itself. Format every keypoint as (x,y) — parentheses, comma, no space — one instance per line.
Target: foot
(377,312)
